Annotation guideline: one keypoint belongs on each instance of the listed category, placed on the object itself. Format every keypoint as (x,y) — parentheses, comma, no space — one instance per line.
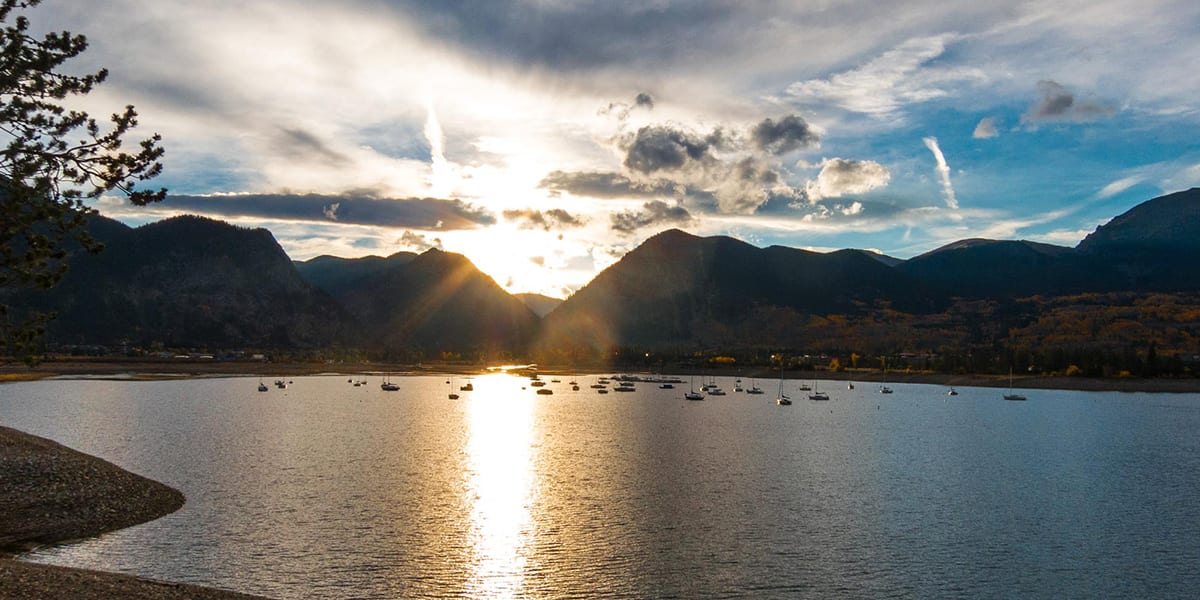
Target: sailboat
(817,396)
(388,386)
(1012,395)
(782,398)
(450,386)
(693,395)
(754,389)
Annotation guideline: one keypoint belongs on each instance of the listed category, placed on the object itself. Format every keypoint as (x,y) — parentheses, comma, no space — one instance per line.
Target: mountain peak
(1172,220)
(671,236)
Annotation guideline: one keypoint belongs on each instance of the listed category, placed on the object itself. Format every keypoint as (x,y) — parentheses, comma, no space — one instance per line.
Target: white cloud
(986,129)
(440,184)
(840,176)
(1063,237)
(885,85)
(1118,186)
(943,171)
(331,211)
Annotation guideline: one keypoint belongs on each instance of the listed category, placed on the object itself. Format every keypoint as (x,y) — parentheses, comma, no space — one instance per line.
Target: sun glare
(518,260)
(499,481)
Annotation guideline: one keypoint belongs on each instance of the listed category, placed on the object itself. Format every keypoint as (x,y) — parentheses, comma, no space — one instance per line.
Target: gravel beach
(50,493)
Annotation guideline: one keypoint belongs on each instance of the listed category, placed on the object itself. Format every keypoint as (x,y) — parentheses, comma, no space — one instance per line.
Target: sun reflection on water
(499,484)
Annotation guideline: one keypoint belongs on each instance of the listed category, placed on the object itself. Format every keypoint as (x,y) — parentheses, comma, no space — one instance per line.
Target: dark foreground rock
(50,493)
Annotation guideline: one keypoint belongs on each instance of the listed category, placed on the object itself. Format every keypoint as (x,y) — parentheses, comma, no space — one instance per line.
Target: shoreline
(136,370)
(54,494)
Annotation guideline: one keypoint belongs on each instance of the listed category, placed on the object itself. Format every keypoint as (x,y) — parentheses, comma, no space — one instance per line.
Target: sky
(545,139)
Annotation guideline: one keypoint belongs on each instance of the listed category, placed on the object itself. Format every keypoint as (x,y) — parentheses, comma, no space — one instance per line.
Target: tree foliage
(53,160)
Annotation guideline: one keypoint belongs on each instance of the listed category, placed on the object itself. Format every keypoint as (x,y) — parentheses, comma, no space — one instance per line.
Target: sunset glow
(543,140)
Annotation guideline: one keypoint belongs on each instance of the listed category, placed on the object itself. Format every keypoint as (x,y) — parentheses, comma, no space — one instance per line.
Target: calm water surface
(326,490)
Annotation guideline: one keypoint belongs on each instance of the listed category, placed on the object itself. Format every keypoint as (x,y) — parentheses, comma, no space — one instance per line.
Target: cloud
(652,213)
(331,211)
(736,170)
(986,129)
(575,36)
(783,136)
(840,176)
(418,242)
(437,150)
(1118,186)
(855,208)
(662,148)
(885,85)
(597,184)
(352,209)
(943,171)
(297,142)
(1057,104)
(555,218)
(621,110)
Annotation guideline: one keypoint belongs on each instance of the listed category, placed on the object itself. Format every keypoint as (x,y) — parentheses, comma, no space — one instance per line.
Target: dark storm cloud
(354,209)
(594,184)
(644,100)
(555,218)
(664,148)
(783,136)
(1057,103)
(652,213)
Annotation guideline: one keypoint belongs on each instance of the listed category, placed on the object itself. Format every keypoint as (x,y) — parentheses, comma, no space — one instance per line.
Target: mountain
(196,282)
(1152,246)
(435,301)
(190,281)
(539,304)
(978,268)
(679,289)
(1170,223)
(332,274)
(187,281)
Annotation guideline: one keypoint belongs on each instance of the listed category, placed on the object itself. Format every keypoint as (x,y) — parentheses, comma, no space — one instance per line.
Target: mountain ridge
(196,281)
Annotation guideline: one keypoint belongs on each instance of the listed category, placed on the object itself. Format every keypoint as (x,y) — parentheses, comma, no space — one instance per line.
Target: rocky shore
(50,493)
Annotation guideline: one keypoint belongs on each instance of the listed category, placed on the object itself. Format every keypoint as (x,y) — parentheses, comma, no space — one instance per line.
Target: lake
(326,490)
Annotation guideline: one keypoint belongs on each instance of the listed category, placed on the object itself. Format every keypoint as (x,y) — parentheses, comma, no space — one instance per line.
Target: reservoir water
(326,490)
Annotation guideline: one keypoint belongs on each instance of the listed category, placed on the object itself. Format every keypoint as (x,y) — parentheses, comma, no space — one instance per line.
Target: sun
(519,260)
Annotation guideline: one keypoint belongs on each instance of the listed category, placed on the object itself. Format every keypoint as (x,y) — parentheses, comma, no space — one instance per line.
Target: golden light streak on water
(499,484)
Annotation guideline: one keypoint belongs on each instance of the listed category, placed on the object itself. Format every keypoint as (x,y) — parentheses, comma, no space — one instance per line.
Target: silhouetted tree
(53,160)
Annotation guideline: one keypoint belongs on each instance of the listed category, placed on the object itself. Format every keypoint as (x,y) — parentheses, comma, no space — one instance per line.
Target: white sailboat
(693,394)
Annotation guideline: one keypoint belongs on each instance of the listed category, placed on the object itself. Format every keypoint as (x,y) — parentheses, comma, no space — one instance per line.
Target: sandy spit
(50,493)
